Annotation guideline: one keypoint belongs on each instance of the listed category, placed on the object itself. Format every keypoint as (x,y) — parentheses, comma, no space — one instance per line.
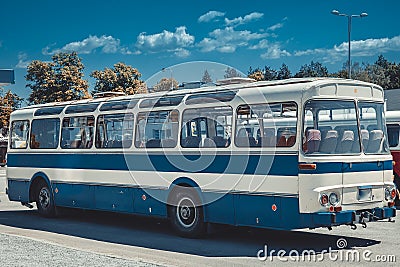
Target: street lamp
(349,17)
(172,82)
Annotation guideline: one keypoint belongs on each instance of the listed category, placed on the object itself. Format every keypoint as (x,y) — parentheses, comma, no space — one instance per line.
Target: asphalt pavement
(87,238)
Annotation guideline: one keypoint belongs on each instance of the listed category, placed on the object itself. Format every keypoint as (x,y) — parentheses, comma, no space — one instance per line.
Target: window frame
(58,133)
(97,136)
(27,136)
(78,116)
(276,128)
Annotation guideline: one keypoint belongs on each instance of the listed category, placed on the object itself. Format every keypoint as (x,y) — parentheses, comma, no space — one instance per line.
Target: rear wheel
(186,213)
(44,200)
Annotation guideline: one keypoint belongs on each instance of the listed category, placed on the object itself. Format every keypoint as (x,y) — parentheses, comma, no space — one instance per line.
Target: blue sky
(150,35)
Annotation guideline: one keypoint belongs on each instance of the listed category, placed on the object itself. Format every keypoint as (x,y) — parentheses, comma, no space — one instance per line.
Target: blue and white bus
(290,154)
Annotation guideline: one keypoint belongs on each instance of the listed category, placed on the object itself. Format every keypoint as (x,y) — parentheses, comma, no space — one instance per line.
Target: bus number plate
(364,193)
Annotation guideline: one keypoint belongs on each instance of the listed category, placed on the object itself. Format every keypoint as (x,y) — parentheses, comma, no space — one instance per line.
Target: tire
(44,200)
(186,213)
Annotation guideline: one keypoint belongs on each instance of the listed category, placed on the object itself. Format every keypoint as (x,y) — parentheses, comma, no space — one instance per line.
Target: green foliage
(9,102)
(231,73)
(165,84)
(315,69)
(283,72)
(382,72)
(57,81)
(206,77)
(121,78)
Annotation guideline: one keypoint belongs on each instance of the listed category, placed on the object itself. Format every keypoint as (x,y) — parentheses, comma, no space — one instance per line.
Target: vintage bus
(393,130)
(289,154)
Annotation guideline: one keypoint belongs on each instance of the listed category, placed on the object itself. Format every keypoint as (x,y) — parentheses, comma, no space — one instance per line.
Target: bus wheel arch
(185,210)
(41,192)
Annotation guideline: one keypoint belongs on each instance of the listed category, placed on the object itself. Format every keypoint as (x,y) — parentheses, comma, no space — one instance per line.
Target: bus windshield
(331,127)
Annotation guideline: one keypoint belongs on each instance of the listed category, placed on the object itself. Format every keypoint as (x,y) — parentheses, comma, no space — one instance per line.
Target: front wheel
(44,200)
(186,213)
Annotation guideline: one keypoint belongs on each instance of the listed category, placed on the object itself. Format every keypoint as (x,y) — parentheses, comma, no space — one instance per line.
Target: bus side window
(19,134)
(206,127)
(114,131)
(77,132)
(393,134)
(157,129)
(45,133)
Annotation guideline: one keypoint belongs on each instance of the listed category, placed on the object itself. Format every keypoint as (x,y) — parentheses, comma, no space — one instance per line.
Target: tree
(269,74)
(206,77)
(57,81)
(121,78)
(315,69)
(9,102)
(231,73)
(256,74)
(284,72)
(165,85)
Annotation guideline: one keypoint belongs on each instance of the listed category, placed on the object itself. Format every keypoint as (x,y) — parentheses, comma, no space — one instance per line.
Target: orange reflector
(144,197)
(338,208)
(274,208)
(307,166)
(391,204)
(331,208)
(393,193)
(393,163)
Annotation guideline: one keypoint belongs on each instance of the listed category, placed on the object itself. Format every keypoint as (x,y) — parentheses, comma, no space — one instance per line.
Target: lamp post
(349,17)
(172,82)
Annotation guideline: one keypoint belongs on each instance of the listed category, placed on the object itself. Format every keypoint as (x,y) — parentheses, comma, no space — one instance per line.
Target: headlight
(333,198)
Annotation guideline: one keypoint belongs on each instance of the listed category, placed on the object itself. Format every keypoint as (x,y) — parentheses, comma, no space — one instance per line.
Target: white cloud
(181,52)
(165,41)
(108,45)
(275,27)
(22,61)
(274,51)
(240,20)
(210,15)
(228,40)
(360,48)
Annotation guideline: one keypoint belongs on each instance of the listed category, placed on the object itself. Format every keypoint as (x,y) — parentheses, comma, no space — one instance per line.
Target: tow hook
(353,226)
(364,215)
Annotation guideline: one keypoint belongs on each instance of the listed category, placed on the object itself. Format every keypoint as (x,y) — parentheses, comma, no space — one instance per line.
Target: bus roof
(296,86)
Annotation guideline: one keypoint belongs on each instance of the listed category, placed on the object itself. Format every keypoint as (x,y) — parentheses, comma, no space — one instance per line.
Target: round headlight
(333,198)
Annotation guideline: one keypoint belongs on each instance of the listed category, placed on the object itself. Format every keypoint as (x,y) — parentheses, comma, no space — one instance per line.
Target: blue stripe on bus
(339,167)
(281,165)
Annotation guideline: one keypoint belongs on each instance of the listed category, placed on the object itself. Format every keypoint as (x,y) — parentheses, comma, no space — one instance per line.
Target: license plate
(364,193)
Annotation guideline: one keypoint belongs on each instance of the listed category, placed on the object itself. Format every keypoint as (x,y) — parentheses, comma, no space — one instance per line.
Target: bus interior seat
(191,141)
(375,140)
(329,141)
(153,143)
(75,144)
(244,139)
(365,138)
(269,139)
(286,137)
(207,142)
(220,141)
(345,143)
(168,142)
(372,127)
(313,140)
